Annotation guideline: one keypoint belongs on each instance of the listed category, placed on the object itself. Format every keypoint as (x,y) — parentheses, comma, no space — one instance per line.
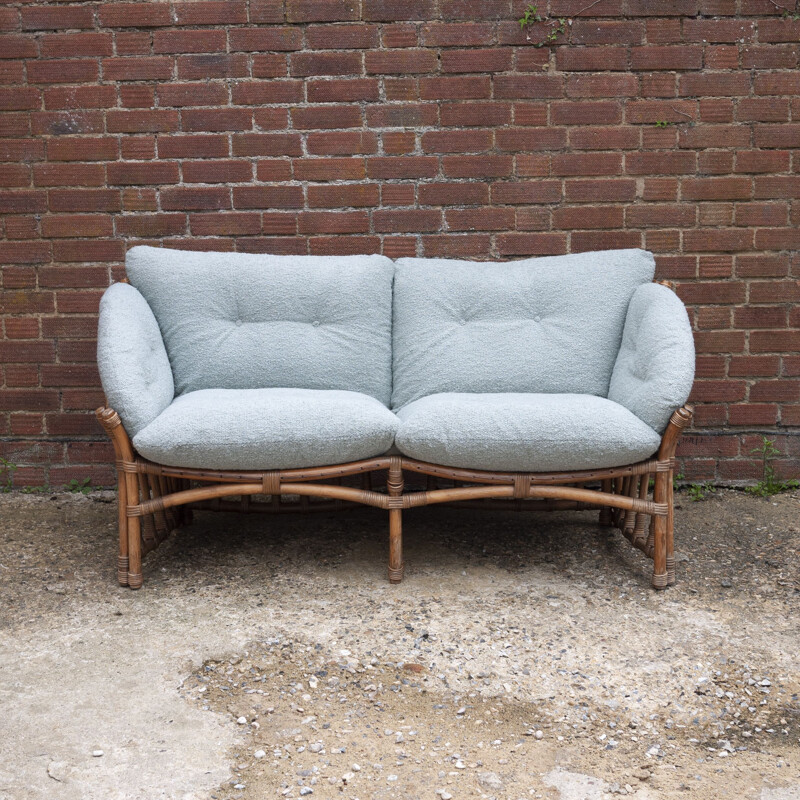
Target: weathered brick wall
(428,127)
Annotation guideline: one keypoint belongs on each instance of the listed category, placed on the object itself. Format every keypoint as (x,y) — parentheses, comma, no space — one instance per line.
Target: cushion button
(537,318)
(238,322)
(462,322)
(315,323)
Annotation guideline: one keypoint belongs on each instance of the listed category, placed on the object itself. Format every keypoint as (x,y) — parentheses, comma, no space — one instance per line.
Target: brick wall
(427,127)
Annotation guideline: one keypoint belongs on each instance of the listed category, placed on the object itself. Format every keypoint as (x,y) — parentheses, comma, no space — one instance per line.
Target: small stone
(391,778)
(238,786)
(97,753)
(313,682)
(348,776)
(444,794)
(726,583)
(539,735)
(242,720)
(388,732)
(259,754)
(414,667)
(460,764)
(355,768)
(316,747)
(306,790)
(490,780)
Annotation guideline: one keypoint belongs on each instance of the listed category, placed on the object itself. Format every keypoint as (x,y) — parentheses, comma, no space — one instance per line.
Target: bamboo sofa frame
(156,499)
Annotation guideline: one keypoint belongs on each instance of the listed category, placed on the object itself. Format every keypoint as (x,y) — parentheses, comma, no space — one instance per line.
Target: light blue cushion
(523,432)
(538,325)
(655,367)
(241,321)
(261,429)
(133,364)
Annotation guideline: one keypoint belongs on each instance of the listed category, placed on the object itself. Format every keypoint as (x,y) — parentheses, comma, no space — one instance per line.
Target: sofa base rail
(155,499)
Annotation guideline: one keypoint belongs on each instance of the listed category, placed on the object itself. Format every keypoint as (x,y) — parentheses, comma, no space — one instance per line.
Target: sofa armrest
(654,371)
(133,363)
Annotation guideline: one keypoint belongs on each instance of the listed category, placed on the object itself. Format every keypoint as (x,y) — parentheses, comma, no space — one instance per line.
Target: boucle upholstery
(654,371)
(133,364)
(523,432)
(261,429)
(241,321)
(537,325)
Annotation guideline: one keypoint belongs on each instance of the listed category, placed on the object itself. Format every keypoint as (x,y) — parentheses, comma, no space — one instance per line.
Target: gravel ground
(523,656)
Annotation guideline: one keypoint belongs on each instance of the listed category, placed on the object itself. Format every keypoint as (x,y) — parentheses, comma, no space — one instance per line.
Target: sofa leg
(670,531)
(660,495)
(122,522)
(394,486)
(396,565)
(134,534)
(605,511)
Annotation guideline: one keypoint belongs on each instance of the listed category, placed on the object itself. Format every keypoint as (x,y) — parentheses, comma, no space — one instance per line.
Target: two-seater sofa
(555,382)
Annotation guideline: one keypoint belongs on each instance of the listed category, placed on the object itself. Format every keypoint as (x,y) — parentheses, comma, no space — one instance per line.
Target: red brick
(530,139)
(341,143)
(321,10)
(469,141)
(227,224)
(600,138)
(591,191)
(268,197)
(259,93)
(401,115)
(341,222)
(220,171)
(343,195)
(535,244)
(587,164)
(399,35)
(769,56)
(453,194)
(456,34)
(597,217)
(65,226)
(456,246)
(325,117)
(215,65)
(716,189)
(341,37)
(151,225)
(141,120)
(780,136)
(344,245)
(329,169)
(181,198)
(751,414)
(475,114)
(480,219)
(134,15)
(343,91)
(388,10)
(194,147)
(600,86)
(718,30)
(64,70)
(400,61)
(402,167)
(591,59)
(56,17)
(455,88)
(211,12)
(83,251)
(487,166)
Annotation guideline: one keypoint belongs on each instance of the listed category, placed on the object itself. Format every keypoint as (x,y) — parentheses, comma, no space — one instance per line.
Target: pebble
(306,790)
(539,735)
(444,794)
(259,754)
(316,747)
(97,753)
(242,720)
(490,780)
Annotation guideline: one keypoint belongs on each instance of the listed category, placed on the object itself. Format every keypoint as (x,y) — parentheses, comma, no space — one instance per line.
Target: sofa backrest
(540,325)
(241,321)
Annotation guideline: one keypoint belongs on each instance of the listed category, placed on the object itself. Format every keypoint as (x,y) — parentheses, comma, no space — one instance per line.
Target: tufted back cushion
(240,321)
(538,325)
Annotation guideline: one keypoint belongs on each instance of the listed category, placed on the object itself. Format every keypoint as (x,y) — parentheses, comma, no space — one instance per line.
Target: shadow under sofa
(556,382)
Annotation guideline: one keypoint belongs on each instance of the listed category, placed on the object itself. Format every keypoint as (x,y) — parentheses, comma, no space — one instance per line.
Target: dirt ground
(524,656)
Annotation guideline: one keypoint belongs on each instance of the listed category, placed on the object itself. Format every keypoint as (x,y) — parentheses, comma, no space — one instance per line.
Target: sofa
(266,382)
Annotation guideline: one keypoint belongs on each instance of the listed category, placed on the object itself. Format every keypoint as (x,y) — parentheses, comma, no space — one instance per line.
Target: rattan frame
(155,499)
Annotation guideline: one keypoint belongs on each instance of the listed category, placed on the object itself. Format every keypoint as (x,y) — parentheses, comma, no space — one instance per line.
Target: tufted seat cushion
(523,432)
(262,429)
(538,325)
(241,321)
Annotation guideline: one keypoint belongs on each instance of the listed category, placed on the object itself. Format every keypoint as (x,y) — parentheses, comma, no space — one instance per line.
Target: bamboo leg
(638,537)
(395,486)
(134,535)
(122,506)
(670,531)
(660,495)
(605,511)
